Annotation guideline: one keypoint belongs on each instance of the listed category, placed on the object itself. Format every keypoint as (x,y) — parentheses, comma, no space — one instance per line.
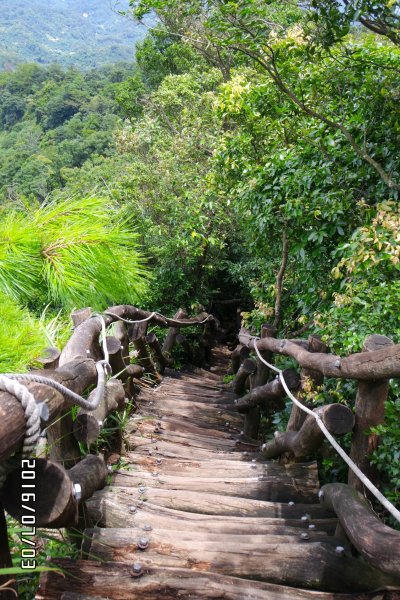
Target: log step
(117,508)
(309,564)
(194,503)
(114,581)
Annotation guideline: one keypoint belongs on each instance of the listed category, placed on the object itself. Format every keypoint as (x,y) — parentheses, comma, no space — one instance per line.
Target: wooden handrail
(376,542)
(337,418)
(378,364)
(77,372)
(270,391)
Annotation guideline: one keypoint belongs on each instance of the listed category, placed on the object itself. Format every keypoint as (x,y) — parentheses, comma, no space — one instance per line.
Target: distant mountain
(85,33)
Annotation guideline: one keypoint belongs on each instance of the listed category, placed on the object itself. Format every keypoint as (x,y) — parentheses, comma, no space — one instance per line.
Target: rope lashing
(32,416)
(351,464)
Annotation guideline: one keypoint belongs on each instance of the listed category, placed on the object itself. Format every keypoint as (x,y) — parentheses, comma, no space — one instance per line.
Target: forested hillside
(53,120)
(252,152)
(87,33)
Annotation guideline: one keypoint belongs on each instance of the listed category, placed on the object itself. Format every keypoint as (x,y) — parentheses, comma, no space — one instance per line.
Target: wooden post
(79,316)
(270,396)
(310,379)
(56,501)
(117,363)
(55,504)
(169,341)
(369,411)
(239,383)
(376,542)
(63,446)
(154,345)
(239,354)
(208,338)
(50,357)
(184,342)
(121,333)
(252,423)
(88,424)
(260,377)
(144,357)
(337,418)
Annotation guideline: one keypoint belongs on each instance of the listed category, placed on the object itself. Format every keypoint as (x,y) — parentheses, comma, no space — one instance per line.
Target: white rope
(102,367)
(32,416)
(104,336)
(156,314)
(129,321)
(363,478)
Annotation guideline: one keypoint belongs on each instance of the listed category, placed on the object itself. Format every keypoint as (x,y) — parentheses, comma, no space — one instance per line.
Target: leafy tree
(334,18)
(266,33)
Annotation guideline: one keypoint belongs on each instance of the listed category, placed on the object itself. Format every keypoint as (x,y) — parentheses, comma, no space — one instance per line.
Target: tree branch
(279,280)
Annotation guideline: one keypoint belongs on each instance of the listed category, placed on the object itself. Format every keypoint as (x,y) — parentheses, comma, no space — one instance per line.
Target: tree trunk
(369,411)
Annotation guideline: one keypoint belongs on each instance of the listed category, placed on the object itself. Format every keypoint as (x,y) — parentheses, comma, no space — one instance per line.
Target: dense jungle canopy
(251,151)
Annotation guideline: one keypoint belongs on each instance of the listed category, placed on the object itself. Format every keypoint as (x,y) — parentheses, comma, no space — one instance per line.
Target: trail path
(197,515)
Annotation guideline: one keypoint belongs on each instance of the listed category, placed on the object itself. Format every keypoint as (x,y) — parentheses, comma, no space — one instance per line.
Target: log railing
(64,480)
(372,368)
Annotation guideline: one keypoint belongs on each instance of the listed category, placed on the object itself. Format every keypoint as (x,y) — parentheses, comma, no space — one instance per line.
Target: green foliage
(52,120)
(54,545)
(22,337)
(68,253)
(386,457)
(162,175)
(333,19)
(369,286)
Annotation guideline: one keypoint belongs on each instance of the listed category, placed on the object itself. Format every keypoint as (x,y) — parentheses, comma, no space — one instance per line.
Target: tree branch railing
(372,368)
(65,479)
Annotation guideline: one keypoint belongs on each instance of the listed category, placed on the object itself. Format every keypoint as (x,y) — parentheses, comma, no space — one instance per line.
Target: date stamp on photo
(28,518)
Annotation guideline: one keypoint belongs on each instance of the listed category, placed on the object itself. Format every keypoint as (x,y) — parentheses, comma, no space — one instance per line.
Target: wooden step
(279,487)
(214,467)
(114,581)
(198,502)
(117,508)
(198,515)
(304,564)
(163,448)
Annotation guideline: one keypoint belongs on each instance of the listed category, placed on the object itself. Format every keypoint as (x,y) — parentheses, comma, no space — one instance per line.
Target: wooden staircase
(196,514)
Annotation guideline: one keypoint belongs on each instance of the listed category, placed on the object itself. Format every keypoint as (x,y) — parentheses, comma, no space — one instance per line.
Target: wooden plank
(194,412)
(312,565)
(270,487)
(214,467)
(163,448)
(171,423)
(114,581)
(143,437)
(117,508)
